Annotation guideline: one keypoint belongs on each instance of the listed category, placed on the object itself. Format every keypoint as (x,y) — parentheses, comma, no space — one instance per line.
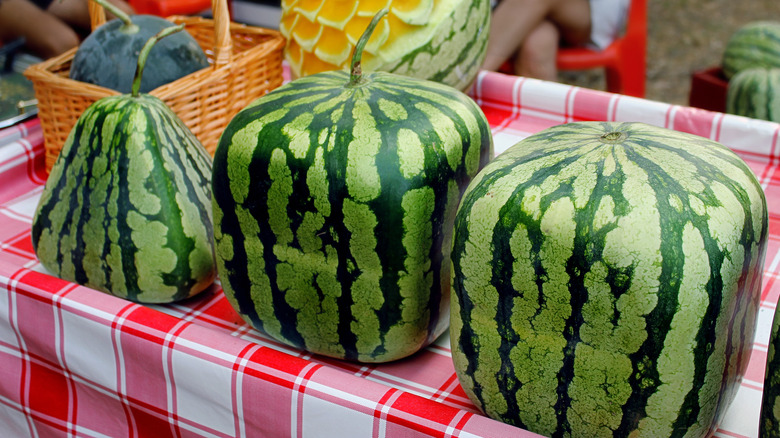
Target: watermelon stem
(129,26)
(356,74)
(135,90)
(613,137)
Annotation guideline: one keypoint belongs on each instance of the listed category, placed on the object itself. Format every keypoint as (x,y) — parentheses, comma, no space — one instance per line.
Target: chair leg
(630,83)
(634,85)
(614,79)
(632,66)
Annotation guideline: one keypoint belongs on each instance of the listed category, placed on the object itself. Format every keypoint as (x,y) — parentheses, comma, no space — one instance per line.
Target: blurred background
(684,36)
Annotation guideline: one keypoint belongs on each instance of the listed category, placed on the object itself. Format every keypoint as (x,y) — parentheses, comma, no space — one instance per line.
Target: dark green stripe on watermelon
(559,330)
(334,205)
(125,208)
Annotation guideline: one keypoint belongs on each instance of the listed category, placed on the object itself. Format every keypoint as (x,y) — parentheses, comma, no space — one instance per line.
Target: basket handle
(223,44)
(97,15)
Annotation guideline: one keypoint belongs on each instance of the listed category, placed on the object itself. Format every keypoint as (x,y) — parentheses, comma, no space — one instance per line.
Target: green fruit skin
(751,93)
(606,282)
(108,56)
(333,209)
(769,425)
(456,52)
(754,45)
(127,206)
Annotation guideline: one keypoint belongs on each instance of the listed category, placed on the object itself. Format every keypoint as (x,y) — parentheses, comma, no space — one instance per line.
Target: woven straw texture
(246,63)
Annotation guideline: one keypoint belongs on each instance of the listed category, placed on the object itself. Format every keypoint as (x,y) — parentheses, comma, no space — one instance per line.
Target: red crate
(708,89)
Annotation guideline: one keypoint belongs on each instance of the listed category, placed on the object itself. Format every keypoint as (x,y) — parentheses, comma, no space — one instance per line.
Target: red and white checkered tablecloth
(76,362)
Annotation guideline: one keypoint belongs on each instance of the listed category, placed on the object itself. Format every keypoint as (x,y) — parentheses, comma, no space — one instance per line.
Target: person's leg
(537,56)
(513,20)
(44,33)
(76,12)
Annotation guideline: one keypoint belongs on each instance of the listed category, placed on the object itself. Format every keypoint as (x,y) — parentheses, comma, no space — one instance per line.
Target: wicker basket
(246,63)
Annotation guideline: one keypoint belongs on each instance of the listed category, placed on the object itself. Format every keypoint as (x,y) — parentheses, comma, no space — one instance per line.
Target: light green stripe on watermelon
(362,175)
(279,195)
(411,151)
(599,281)
(364,263)
(676,365)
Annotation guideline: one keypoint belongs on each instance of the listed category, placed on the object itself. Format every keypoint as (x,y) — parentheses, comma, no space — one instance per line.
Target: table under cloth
(78,362)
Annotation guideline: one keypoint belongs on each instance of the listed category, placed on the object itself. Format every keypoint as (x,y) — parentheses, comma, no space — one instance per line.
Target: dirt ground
(685,36)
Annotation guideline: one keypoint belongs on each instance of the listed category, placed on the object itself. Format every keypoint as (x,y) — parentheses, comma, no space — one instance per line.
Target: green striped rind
(755,93)
(608,286)
(333,210)
(769,426)
(126,207)
(754,45)
(456,51)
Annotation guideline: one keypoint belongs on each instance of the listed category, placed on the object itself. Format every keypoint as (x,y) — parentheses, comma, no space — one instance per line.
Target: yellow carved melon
(440,40)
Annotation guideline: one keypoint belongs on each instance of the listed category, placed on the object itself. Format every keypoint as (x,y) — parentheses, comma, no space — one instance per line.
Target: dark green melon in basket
(127,206)
(607,278)
(108,56)
(334,198)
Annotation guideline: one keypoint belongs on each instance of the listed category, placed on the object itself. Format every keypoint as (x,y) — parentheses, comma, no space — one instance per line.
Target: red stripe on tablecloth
(717,126)
(33,149)
(455,398)
(443,392)
(515,106)
(724,432)
(411,412)
(769,279)
(612,109)
(380,412)
(769,170)
(456,425)
(20,169)
(193,309)
(568,106)
(20,245)
(669,117)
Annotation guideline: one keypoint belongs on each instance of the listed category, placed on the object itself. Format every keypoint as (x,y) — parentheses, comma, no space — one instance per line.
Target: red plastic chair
(624,61)
(166,8)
